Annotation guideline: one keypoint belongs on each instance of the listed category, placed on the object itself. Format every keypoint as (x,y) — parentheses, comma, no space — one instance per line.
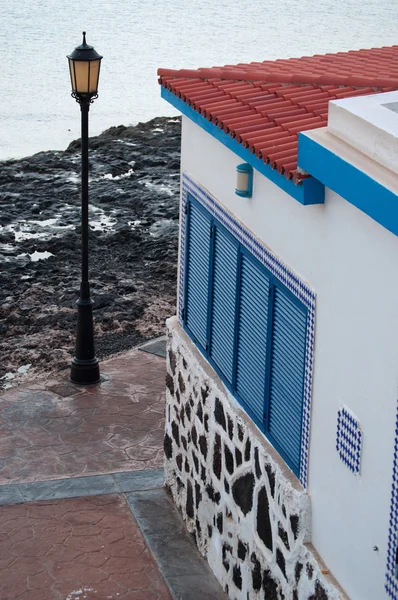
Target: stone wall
(246,510)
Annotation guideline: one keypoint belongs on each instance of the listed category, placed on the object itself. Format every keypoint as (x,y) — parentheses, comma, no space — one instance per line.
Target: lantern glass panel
(94,76)
(82,70)
(72,74)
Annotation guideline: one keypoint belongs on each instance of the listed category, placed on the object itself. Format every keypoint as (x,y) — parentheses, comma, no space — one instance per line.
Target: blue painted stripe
(352,184)
(310,191)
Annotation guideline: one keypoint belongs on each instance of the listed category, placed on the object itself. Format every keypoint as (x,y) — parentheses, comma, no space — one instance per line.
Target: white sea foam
(118,177)
(35,256)
(161,188)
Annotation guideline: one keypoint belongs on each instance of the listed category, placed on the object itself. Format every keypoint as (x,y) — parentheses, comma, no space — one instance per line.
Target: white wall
(352,264)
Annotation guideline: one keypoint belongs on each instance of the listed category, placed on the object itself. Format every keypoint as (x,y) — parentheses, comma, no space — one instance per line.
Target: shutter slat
(287,375)
(283,355)
(252,337)
(291,329)
(198,257)
(222,332)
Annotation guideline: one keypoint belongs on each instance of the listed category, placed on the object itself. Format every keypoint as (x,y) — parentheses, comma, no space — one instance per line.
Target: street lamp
(84,66)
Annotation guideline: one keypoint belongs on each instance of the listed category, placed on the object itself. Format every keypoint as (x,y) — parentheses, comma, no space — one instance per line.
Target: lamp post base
(85,366)
(85,372)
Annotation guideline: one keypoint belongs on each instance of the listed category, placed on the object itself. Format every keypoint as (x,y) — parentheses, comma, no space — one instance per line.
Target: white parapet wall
(246,510)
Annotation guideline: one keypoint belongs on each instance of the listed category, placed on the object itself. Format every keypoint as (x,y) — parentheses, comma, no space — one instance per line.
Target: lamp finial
(84,38)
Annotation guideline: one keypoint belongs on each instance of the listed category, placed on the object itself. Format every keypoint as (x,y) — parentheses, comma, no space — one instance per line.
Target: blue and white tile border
(391,584)
(349,439)
(278,269)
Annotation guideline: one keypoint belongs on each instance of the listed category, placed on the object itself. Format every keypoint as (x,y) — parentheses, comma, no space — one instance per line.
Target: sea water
(135,38)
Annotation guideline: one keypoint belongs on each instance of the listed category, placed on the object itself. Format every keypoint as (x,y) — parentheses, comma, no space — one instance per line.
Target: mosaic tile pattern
(391,583)
(278,269)
(349,440)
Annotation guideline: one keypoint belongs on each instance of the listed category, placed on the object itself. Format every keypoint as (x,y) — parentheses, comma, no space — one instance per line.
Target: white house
(282,438)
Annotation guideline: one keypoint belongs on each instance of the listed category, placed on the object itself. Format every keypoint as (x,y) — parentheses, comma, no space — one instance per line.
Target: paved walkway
(83,511)
(55,429)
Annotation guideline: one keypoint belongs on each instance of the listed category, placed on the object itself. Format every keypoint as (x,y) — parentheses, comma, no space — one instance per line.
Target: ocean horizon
(37,112)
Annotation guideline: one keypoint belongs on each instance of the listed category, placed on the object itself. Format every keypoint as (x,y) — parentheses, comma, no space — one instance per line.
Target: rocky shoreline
(134,188)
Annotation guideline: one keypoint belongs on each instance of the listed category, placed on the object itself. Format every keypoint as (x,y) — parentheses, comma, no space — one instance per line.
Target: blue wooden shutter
(197,272)
(252,337)
(287,376)
(222,333)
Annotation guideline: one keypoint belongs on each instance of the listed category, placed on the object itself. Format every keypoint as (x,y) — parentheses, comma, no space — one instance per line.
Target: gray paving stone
(157,346)
(185,570)
(140,480)
(10,494)
(97,485)
(193,587)
(54,489)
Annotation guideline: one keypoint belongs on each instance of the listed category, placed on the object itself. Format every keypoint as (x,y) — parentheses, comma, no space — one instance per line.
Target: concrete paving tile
(10,494)
(140,480)
(58,561)
(69,431)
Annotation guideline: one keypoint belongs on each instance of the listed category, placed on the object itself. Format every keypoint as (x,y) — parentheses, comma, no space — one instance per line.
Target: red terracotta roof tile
(264,105)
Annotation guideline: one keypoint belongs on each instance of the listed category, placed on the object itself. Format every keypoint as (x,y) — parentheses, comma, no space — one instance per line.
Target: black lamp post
(84,65)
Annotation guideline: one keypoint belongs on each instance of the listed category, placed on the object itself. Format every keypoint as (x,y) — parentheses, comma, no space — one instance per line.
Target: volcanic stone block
(170,383)
(194,435)
(280,560)
(175,432)
(199,412)
(238,457)
(217,456)
(271,479)
(294,523)
(242,491)
(237,577)
(242,550)
(206,423)
(188,410)
(219,414)
(230,427)
(168,446)
(256,572)
(172,361)
(257,463)
(264,529)
(203,446)
(270,586)
(283,536)
(198,495)
(248,448)
(220,522)
(320,593)
(205,393)
(189,505)
(229,459)
(213,495)
(196,462)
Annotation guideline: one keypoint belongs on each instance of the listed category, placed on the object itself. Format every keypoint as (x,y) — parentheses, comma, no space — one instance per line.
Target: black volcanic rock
(134,189)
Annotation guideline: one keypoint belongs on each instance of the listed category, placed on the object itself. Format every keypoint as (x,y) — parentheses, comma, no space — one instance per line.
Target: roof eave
(306,190)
